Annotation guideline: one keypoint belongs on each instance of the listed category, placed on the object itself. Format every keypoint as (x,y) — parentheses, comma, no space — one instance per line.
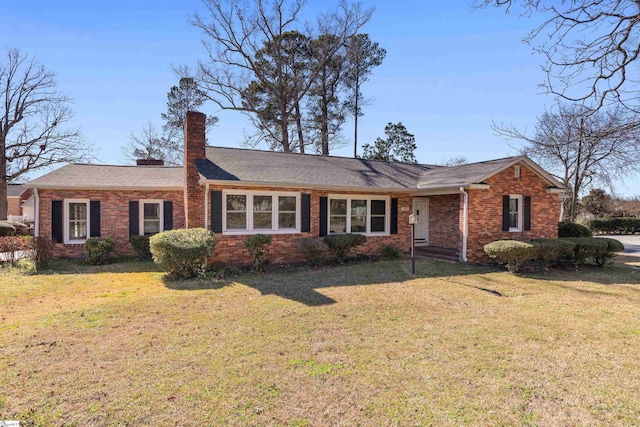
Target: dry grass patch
(356,345)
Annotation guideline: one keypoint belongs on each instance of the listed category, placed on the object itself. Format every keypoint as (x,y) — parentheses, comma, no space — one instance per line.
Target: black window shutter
(505,213)
(305,205)
(216,211)
(324,201)
(56,221)
(527,212)
(168,214)
(134,218)
(394,215)
(94,218)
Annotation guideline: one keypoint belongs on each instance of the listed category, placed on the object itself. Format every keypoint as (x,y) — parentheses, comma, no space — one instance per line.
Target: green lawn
(364,344)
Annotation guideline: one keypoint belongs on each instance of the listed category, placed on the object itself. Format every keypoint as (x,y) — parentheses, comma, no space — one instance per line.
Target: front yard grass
(364,344)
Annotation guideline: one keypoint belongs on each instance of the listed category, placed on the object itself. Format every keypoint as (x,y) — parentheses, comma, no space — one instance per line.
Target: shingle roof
(15,190)
(233,164)
(471,173)
(107,176)
(254,166)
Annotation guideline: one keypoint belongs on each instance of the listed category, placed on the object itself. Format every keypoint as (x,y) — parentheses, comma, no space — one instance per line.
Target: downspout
(206,206)
(36,213)
(465,224)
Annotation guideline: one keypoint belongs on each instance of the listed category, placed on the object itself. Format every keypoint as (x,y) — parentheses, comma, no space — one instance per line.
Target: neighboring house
(237,192)
(17,203)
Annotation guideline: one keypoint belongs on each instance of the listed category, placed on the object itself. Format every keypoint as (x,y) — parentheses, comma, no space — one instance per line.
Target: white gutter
(36,213)
(206,206)
(465,224)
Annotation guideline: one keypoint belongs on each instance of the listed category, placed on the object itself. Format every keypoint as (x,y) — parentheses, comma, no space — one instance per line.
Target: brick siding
(283,249)
(485,211)
(114,215)
(444,220)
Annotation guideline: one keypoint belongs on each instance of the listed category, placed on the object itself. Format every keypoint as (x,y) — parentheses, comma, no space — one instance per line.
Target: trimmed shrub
(598,250)
(141,246)
(182,253)
(553,251)
(513,253)
(21,228)
(391,252)
(7,229)
(341,244)
(42,247)
(572,229)
(313,250)
(615,225)
(257,247)
(97,250)
(9,245)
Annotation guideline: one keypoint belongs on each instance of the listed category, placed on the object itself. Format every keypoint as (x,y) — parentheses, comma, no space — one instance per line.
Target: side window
(151,217)
(515,213)
(76,225)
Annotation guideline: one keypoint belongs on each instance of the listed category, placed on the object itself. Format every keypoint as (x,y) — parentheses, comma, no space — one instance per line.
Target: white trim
(555,190)
(65,221)
(206,207)
(249,212)
(520,212)
(368,198)
(36,213)
(141,204)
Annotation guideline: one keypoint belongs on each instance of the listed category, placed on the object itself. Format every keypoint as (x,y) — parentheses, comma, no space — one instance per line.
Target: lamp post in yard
(413,219)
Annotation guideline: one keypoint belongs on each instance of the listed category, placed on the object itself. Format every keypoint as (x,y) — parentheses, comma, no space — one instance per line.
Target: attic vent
(150,162)
(516,172)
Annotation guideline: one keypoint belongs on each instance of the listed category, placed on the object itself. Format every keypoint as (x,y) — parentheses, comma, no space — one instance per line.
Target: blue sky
(449,72)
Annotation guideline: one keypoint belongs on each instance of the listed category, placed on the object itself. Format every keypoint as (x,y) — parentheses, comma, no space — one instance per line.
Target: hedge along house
(238,192)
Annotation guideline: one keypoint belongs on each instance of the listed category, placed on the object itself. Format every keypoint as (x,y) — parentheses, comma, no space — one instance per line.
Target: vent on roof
(150,162)
(516,172)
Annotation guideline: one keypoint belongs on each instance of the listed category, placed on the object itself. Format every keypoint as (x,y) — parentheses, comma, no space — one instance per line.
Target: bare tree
(455,161)
(591,48)
(149,144)
(234,34)
(582,148)
(32,120)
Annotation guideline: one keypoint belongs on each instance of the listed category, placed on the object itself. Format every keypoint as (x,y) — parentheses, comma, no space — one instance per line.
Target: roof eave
(306,186)
(106,188)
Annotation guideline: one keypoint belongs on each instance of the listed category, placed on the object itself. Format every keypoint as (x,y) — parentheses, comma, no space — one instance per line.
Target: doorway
(421,211)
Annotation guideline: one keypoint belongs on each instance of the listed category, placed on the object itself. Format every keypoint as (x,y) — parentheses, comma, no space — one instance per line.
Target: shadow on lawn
(302,284)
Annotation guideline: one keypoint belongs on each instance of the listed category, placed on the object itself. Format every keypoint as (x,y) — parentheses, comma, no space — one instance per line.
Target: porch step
(432,252)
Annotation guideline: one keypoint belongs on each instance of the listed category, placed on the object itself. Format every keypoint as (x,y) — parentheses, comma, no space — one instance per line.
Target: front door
(421,211)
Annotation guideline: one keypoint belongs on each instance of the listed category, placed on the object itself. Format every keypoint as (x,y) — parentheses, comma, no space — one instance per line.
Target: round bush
(141,245)
(341,244)
(182,253)
(391,252)
(314,250)
(98,249)
(572,229)
(514,253)
(7,229)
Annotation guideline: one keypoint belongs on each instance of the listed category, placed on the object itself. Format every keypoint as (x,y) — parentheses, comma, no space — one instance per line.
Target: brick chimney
(194,143)
(150,162)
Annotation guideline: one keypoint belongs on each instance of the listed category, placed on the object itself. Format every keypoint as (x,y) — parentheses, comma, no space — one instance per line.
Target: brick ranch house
(238,192)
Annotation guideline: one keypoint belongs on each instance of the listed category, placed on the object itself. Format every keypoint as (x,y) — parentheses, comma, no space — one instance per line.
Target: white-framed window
(76,220)
(515,212)
(267,212)
(151,217)
(358,214)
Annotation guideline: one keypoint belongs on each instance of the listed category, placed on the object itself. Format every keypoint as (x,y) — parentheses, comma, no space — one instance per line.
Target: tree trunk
(3,180)
(324,127)
(576,182)
(355,120)
(299,125)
